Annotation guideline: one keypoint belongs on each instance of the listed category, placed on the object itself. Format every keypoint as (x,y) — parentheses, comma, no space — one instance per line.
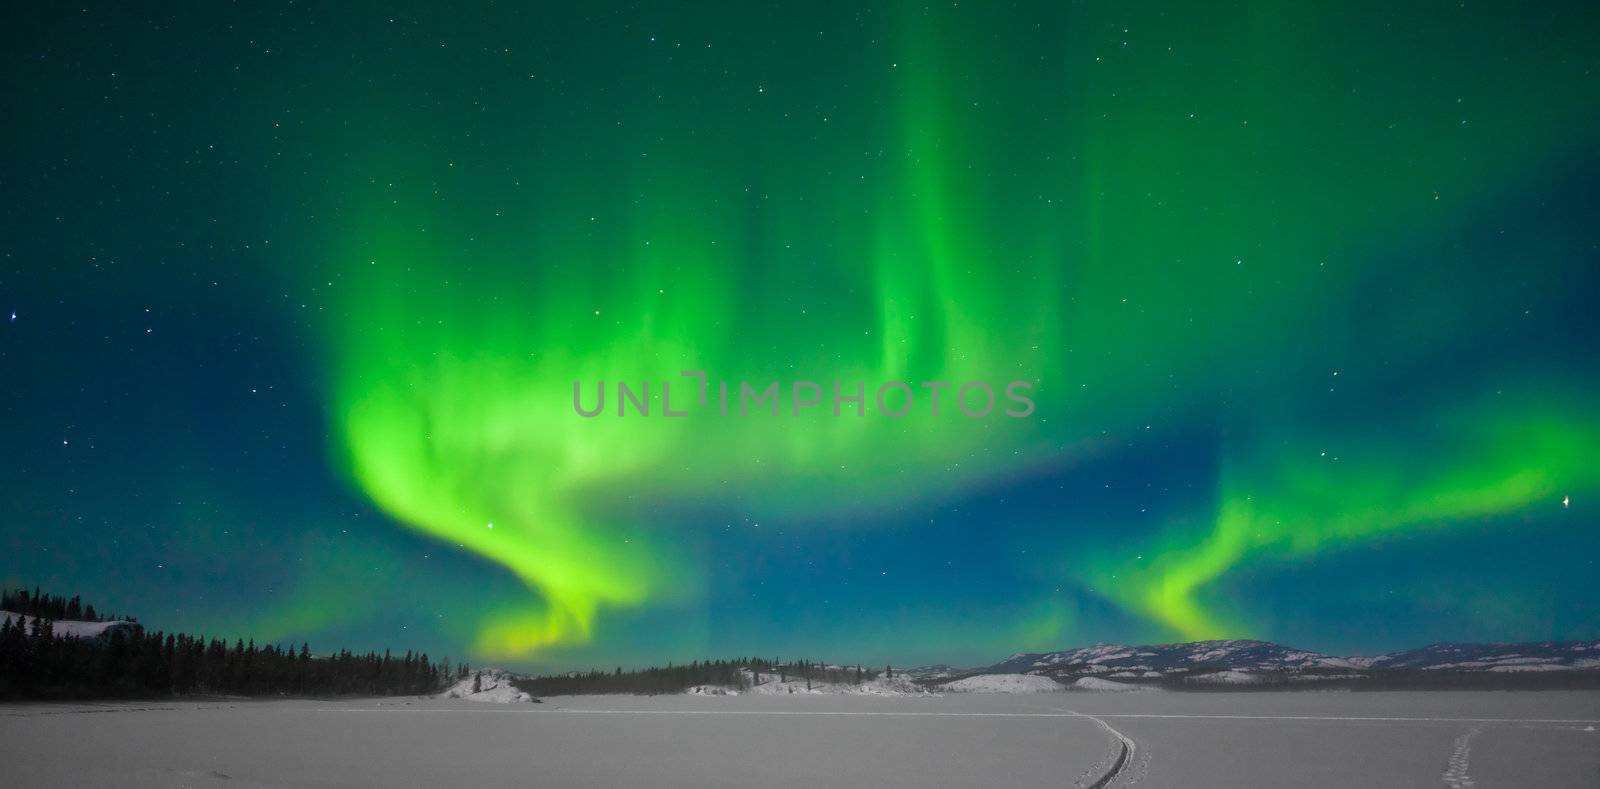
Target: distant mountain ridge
(1239,660)
(1529,656)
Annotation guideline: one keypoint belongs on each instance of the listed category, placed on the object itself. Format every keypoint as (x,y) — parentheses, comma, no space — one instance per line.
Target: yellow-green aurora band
(1192,214)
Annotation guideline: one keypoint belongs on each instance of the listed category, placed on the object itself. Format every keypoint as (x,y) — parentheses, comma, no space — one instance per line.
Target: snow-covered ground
(1004,683)
(1192,740)
(492,685)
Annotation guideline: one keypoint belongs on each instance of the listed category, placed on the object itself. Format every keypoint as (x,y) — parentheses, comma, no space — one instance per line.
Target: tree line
(19,601)
(127,661)
(737,674)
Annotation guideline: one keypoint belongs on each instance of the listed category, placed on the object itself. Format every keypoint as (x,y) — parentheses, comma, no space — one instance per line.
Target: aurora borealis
(1307,297)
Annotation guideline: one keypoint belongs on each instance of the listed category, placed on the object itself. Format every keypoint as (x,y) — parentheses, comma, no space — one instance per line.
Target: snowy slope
(494,686)
(1096,683)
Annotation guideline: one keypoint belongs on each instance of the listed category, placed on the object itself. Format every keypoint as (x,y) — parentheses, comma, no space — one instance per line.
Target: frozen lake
(1481,739)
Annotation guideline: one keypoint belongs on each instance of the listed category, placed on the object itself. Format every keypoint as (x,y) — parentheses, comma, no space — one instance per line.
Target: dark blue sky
(1311,315)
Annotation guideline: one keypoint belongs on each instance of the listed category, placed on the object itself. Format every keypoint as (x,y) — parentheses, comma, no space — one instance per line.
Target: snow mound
(1096,683)
(493,686)
(1004,683)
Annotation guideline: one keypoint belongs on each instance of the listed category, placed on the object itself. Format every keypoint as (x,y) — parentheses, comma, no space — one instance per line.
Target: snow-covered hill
(1150,661)
(491,685)
(1533,656)
(1098,684)
(72,628)
(1003,683)
(936,671)
(1250,662)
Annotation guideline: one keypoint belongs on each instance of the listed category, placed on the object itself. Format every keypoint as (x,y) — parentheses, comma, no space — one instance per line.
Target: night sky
(294,300)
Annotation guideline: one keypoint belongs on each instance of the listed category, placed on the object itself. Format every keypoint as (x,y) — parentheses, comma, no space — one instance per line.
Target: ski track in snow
(1456,776)
(1126,767)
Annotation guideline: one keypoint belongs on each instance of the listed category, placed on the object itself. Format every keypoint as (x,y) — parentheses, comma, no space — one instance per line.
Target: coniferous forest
(738,674)
(124,660)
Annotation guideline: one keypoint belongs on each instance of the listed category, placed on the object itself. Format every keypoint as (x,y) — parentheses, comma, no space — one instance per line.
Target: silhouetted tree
(127,660)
